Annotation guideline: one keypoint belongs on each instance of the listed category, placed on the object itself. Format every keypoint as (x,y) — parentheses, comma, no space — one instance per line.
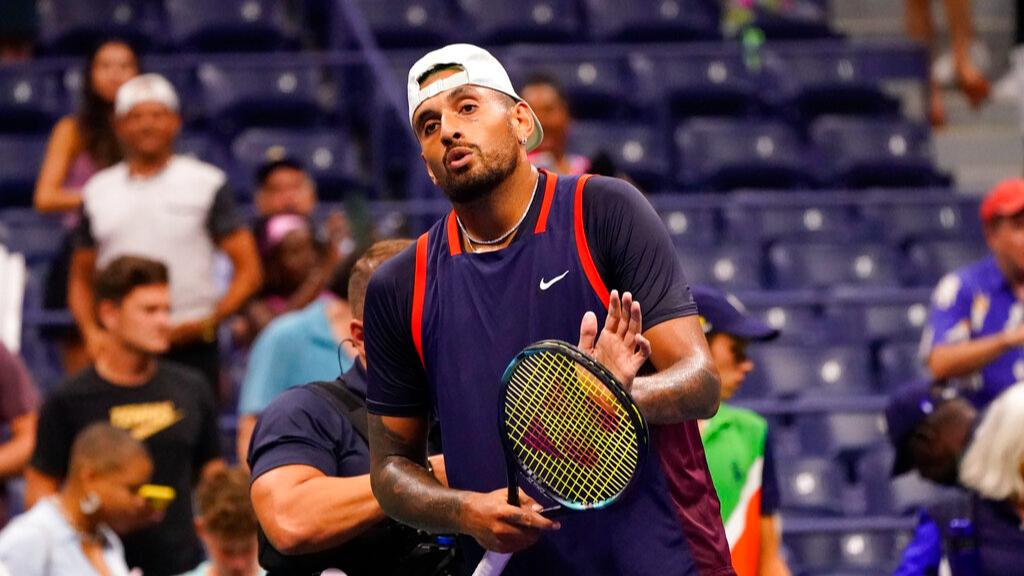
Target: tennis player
(527,255)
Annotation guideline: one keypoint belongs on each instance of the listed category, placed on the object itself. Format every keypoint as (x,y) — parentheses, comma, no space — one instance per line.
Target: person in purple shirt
(975,332)
(524,255)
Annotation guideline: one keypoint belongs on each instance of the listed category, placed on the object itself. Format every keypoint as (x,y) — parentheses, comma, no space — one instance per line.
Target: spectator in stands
(309,452)
(284,187)
(296,269)
(174,209)
(227,525)
(19,402)
(547,98)
(975,331)
(166,406)
(961,30)
(736,440)
(981,534)
(81,145)
(930,427)
(297,348)
(73,531)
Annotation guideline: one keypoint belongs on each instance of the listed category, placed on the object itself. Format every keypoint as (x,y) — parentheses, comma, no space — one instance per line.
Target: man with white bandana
(975,332)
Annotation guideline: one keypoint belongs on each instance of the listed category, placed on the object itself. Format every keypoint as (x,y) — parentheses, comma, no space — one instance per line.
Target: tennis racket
(570,429)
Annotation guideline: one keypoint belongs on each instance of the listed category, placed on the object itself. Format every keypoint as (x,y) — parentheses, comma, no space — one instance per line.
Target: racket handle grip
(492,564)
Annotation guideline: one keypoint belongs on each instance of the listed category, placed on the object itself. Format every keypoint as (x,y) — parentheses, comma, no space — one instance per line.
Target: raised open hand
(621,346)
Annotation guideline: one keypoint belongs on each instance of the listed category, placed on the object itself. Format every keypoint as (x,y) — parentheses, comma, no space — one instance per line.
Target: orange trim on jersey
(454,244)
(419,293)
(746,551)
(549,197)
(581,244)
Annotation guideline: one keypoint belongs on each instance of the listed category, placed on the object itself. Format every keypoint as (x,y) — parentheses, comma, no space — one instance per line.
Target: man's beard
(473,184)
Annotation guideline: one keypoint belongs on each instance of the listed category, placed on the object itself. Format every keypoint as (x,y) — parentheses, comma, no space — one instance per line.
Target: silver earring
(522,141)
(90,503)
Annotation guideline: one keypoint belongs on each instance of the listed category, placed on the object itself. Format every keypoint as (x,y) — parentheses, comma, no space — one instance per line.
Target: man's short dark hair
(371,260)
(270,166)
(126,273)
(545,79)
(104,448)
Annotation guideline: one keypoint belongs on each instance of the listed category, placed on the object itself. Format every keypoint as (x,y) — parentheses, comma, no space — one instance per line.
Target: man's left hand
(621,346)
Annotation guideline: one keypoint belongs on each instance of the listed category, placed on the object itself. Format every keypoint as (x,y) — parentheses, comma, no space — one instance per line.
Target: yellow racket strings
(569,430)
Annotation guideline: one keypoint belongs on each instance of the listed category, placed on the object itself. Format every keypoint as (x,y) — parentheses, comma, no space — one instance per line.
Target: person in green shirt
(736,440)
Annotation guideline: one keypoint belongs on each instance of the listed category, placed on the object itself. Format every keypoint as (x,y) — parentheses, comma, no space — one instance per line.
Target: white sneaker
(1010,87)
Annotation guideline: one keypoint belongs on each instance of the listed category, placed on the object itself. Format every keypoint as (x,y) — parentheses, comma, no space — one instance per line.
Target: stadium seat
(763,217)
(934,259)
(20,158)
(229,25)
(652,20)
(880,314)
(202,146)
(863,152)
(798,369)
(30,98)
(36,236)
(850,552)
(842,435)
(734,268)
(597,87)
(406,23)
(258,93)
(525,21)
(691,221)
(814,82)
(74,27)
(924,216)
(796,265)
(325,153)
(810,485)
(797,322)
(710,81)
(719,154)
(636,150)
(793,19)
(899,363)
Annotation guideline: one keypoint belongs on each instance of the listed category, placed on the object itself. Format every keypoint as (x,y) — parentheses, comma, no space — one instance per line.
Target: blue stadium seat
(37,237)
(796,265)
(20,158)
(934,259)
(880,314)
(229,25)
(843,553)
(711,81)
(74,27)
(635,149)
(866,152)
(525,21)
(325,153)
(810,485)
(31,98)
(652,20)
(202,146)
(814,82)
(788,369)
(405,23)
(691,221)
(797,322)
(258,93)
(899,363)
(763,217)
(734,268)
(596,87)
(842,435)
(718,154)
(923,216)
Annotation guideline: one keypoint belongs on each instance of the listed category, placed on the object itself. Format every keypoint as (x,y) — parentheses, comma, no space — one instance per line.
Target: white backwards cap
(145,88)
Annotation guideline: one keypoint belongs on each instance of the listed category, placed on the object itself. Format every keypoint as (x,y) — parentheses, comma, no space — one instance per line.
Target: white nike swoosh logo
(545,284)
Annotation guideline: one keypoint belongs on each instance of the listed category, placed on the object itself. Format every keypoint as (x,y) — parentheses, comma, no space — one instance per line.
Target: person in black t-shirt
(167,407)
(309,454)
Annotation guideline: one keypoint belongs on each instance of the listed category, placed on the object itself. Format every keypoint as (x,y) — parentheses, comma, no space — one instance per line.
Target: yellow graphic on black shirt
(145,420)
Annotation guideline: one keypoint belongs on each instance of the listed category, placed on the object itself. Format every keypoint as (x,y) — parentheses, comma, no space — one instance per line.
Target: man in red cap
(976,328)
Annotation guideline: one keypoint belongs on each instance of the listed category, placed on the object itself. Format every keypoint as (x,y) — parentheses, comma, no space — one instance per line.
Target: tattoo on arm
(685,391)
(406,490)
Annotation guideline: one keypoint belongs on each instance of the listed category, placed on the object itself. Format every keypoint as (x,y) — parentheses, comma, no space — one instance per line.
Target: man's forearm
(952,360)
(406,490)
(687,390)
(80,301)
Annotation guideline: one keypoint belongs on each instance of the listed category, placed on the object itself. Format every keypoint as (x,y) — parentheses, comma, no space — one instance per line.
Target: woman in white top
(70,534)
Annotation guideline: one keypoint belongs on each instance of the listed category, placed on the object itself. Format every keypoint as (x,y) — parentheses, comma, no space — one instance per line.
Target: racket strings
(569,430)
